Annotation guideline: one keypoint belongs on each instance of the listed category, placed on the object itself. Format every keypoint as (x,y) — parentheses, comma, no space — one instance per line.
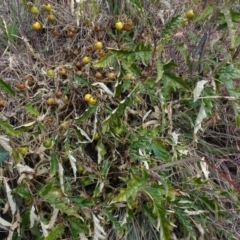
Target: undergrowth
(135,140)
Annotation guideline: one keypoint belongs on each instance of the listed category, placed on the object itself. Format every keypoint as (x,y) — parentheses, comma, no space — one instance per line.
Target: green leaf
(205,13)
(6,87)
(4,154)
(174,22)
(108,60)
(53,165)
(88,112)
(82,81)
(228,72)
(159,151)
(23,191)
(149,214)
(143,137)
(30,108)
(81,201)
(134,185)
(142,52)
(119,111)
(56,233)
(53,195)
(165,225)
(156,192)
(160,70)
(185,221)
(183,51)
(177,80)
(76,226)
(127,57)
(112,219)
(235,16)
(105,168)
(209,203)
(25,127)
(8,128)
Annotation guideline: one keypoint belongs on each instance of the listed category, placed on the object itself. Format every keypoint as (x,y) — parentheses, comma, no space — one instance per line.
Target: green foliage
(155,157)
(6,87)
(4,154)
(56,233)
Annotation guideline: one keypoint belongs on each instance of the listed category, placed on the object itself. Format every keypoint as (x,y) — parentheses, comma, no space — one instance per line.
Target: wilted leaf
(198,89)
(200,117)
(160,70)
(73,160)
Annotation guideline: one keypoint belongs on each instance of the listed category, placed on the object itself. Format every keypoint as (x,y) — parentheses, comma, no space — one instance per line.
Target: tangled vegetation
(119,120)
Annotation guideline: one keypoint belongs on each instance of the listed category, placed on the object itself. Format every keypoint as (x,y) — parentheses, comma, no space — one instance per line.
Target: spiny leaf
(183,51)
(177,80)
(120,109)
(134,185)
(56,233)
(204,14)
(8,128)
(158,150)
(108,60)
(22,191)
(184,220)
(6,87)
(228,72)
(30,108)
(82,81)
(172,24)
(76,226)
(165,225)
(87,113)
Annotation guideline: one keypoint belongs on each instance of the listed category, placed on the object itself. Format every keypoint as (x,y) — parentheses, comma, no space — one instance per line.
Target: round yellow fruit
(118,131)
(51,101)
(92,100)
(64,125)
(189,14)
(86,60)
(47,7)
(65,99)
(111,76)
(37,25)
(50,72)
(47,143)
(51,17)
(98,45)
(185,21)
(22,150)
(34,10)
(80,169)
(98,75)
(62,71)
(119,25)
(96,136)
(87,97)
